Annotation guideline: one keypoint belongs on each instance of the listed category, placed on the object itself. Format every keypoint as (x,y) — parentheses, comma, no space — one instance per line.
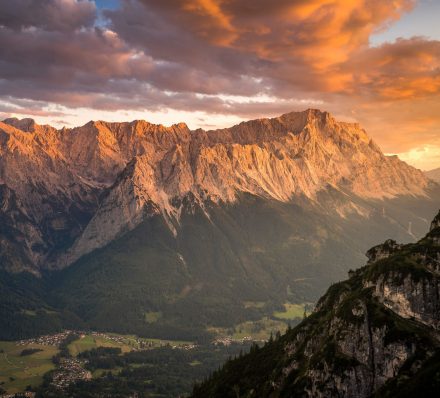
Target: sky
(214,63)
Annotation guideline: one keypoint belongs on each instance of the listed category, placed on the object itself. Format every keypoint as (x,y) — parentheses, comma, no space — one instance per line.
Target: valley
(376,334)
(17,371)
(161,238)
(185,186)
(59,360)
(61,363)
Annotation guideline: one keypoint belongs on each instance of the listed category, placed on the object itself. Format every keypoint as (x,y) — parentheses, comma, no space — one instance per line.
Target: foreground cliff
(375,335)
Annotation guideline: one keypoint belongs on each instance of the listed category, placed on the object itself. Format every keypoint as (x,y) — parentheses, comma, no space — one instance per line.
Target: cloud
(318,46)
(248,58)
(405,69)
(50,15)
(286,49)
(426,157)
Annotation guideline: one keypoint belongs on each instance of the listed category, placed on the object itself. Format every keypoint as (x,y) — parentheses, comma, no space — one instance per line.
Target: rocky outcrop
(383,250)
(368,336)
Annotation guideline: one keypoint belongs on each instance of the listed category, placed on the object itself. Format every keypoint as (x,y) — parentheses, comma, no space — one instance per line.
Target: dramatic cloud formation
(51,15)
(245,58)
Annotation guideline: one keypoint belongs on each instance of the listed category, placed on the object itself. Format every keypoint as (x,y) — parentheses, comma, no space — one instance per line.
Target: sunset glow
(213,63)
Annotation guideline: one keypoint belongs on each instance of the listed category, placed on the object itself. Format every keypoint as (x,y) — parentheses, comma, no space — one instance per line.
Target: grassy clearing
(160,343)
(17,372)
(256,330)
(89,342)
(254,304)
(126,343)
(291,311)
(29,312)
(152,317)
(133,341)
(259,330)
(100,372)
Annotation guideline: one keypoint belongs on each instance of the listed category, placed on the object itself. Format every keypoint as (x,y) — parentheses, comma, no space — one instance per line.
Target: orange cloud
(308,44)
(212,19)
(402,70)
(324,32)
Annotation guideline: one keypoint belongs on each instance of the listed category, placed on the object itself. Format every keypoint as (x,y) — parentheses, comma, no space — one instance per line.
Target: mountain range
(109,222)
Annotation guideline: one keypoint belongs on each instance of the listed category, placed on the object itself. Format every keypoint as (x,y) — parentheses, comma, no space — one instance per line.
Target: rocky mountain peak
(383,250)
(26,124)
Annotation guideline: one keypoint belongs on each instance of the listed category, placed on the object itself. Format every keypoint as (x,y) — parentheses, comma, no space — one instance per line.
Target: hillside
(376,334)
(257,251)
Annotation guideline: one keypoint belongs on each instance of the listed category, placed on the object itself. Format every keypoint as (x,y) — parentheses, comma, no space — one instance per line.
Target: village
(69,371)
(26,394)
(50,339)
(136,343)
(227,341)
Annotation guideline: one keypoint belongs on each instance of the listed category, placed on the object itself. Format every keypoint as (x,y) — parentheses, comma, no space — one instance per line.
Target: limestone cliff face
(115,173)
(369,341)
(369,336)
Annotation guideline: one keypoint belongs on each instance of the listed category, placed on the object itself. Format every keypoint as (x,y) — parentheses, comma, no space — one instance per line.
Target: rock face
(383,250)
(433,174)
(55,202)
(375,335)
(80,188)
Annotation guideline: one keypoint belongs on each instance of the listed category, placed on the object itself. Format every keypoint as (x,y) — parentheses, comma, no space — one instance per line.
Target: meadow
(20,371)
(292,311)
(126,343)
(17,372)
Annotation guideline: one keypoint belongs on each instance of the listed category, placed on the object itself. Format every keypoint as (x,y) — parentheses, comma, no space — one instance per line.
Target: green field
(254,304)
(259,330)
(160,343)
(263,328)
(17,372)
(127,343)
(291,311)
(89,342)
(152,317)
(256,330)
